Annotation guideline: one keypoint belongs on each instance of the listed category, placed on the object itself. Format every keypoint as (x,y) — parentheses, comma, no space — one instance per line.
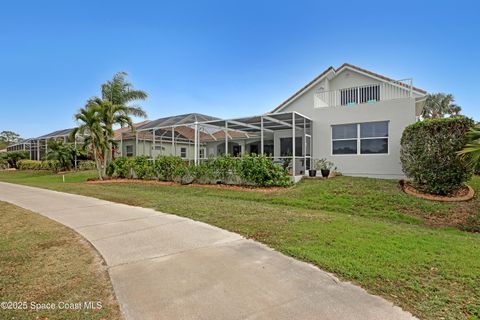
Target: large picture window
(360,138)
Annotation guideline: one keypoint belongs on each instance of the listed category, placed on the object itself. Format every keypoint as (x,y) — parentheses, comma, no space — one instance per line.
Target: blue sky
(222,58)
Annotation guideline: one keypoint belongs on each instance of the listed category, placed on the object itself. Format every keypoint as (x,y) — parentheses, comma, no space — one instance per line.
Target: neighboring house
(22,145)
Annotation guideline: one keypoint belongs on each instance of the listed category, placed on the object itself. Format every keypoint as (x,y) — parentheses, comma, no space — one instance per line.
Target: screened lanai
(285,137)
(39,145)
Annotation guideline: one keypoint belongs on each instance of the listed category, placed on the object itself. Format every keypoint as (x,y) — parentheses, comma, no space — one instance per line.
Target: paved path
(167,267)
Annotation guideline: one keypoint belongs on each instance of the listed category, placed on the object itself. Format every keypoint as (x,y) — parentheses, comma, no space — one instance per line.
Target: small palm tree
(438,105)
(471,151)
(90,128)
(64,153)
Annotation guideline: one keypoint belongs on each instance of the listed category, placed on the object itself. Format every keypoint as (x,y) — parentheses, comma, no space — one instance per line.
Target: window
(202,153)
(183,152)
(129,151)
(344,139)
(286,147)
(374,137)
(360,138)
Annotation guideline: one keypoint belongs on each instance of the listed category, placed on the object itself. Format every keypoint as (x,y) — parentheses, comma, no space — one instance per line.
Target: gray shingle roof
(188,118)
(58,133)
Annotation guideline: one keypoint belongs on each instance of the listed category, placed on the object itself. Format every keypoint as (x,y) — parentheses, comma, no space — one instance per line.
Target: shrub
(3,164)
(429,154)
(261,171)
(12,157)
(119,168)
(142,167)
(204,172)
(166,167)
(86,165)
(226,169)
(50,165)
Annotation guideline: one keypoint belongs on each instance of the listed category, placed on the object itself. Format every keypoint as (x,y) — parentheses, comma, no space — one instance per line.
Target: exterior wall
(399,112)
(147,148)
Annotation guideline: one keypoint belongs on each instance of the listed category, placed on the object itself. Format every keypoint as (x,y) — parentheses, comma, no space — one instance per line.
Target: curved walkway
(167,267)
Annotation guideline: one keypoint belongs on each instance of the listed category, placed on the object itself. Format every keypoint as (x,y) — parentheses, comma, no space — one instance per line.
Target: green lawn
(363,230)
(44,262)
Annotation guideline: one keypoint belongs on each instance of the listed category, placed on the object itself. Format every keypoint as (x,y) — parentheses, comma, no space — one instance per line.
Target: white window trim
(359,139)
(186,152)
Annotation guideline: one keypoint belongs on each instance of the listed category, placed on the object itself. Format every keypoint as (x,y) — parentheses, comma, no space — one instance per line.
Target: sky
(222,58)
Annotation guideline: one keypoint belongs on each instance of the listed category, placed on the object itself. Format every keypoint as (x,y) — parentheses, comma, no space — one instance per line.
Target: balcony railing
(364,94)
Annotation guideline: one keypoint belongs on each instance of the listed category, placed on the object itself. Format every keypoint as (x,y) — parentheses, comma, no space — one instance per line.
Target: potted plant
(313,170)
(324,166)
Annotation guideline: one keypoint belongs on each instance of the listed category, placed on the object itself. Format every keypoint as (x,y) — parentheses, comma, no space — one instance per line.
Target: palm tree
(471,151)
(438,105)
(90,127)
(64,153)
(117,96)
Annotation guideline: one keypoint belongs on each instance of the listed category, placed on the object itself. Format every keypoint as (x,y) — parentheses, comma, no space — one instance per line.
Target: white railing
(364,94)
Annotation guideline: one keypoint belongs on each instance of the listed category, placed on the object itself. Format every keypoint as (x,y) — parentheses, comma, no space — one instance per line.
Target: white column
(173,142)
(75,146)
(293,143)
(195,147)
(136,143)
(226,137)
(121,144)
(152,153)
(261,136)
(38,149)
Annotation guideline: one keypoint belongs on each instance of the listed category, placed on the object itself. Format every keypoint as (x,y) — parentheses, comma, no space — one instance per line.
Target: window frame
(181,152)
(129,154)
(359,139)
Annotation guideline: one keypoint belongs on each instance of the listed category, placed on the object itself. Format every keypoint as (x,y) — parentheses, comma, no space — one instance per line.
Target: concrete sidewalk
(167,267)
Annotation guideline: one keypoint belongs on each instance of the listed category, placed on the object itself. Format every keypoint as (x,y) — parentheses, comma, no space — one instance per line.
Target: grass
(44,262)
(363,230)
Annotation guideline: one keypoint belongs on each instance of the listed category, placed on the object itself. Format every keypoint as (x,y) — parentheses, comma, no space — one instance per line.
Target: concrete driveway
(167,267)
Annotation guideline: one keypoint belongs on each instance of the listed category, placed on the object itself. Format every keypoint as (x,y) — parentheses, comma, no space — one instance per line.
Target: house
(349,115)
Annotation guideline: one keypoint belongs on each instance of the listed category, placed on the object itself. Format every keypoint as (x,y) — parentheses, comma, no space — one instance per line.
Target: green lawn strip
(363,230)
(44,262)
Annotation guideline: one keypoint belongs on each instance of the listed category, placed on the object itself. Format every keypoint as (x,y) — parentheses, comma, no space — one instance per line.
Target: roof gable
(332,71)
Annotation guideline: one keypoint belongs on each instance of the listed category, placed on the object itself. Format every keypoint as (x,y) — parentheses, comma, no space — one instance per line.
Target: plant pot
(325,173)
(312,173)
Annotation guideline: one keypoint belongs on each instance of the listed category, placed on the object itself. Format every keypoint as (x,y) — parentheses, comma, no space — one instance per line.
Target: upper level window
(364,94)
(360,138)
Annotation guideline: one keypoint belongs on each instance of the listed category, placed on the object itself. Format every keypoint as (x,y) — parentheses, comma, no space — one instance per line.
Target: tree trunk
(97,163)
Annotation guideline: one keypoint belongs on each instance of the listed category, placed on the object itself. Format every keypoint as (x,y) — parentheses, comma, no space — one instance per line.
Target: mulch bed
(195,185)
(465,193)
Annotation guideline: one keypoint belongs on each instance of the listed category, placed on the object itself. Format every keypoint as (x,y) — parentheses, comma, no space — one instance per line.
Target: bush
(12,157)
(166,167)
(119,168)
(86,165)
(3,164)
(429,154)
(261,171)
(143,167)
(50,165)
(249,169)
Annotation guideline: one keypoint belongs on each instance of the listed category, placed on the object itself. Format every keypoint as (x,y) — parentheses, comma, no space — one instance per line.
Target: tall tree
(118,106)
(92,131)
(9,137)
(438,105)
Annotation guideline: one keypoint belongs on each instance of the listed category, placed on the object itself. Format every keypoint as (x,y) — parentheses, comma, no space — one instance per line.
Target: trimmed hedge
(51,165)
(251,170)
(429,154)
(86,165)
